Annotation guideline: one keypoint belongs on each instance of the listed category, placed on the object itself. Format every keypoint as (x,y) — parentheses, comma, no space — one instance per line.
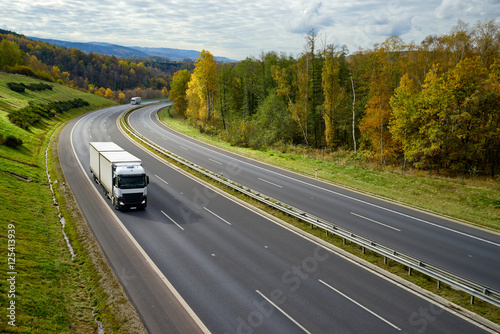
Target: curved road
(464,250)
(237,269)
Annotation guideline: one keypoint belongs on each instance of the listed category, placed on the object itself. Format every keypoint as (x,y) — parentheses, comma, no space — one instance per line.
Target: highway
(464,250)
(197,260)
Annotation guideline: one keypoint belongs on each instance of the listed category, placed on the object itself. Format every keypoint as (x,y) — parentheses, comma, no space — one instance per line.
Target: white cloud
(309,15)
(448,8)
(241,28)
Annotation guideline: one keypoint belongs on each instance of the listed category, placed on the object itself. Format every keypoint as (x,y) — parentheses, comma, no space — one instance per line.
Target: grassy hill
(47,290)
(32,139)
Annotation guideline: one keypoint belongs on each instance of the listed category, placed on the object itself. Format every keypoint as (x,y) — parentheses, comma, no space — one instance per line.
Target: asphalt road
(464,250)
(238,270)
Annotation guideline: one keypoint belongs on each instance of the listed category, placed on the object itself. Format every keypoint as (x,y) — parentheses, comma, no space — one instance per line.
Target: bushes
(20,69)
(34,112)
(20,87)
(39,86)
(16,87)
(10,141)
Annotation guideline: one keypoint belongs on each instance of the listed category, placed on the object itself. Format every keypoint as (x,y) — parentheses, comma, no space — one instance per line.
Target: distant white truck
(121,175)
(135,100)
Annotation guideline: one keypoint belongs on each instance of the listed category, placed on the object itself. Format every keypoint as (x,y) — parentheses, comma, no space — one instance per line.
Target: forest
(107,76)
(432,104)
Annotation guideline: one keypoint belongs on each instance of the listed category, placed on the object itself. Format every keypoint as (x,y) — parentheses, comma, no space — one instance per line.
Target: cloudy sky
(241,28)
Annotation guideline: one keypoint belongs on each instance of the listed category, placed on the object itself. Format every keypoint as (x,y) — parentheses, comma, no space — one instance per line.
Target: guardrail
(474,289)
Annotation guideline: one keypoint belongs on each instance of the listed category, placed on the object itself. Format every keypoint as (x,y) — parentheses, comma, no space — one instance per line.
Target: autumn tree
(384,78)
(203,84)
(178,90)
(109,94)
(10,54)
(405,124)
(453,121)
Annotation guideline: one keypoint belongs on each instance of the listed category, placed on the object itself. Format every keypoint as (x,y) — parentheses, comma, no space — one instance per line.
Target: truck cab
(129,186)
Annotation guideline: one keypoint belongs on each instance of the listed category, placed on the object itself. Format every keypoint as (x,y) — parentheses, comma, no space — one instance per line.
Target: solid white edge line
(157,270)
(173,221)
(216,215)
(377,222)
(283,312)
(363,307)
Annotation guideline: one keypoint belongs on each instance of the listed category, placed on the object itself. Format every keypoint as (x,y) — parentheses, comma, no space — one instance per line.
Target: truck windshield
(130,182)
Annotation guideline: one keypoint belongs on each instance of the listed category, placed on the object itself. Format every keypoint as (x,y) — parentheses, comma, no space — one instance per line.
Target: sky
(238,29)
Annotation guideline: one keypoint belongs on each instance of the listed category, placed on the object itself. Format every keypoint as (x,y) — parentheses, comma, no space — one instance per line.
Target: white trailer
(95,149)
(121,175)
(135,100)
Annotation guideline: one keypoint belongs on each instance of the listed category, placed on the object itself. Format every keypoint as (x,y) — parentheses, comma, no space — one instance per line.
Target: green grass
(53,293)
(475,201)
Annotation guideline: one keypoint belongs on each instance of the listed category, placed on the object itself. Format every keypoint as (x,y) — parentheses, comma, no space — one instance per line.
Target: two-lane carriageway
(459,248)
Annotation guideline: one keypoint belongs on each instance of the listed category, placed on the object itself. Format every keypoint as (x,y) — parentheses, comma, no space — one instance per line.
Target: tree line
(108,76)
(429,104)
(436,103)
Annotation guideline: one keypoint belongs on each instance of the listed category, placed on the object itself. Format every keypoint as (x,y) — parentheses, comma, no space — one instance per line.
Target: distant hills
(131,51)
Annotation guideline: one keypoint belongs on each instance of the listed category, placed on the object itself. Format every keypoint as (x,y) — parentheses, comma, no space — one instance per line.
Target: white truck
(135,100)
(121,175)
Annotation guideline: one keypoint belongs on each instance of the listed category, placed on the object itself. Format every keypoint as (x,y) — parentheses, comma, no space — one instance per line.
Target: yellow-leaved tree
(202,88)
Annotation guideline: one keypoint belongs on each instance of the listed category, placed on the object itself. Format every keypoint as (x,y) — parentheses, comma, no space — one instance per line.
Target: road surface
(232,268)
